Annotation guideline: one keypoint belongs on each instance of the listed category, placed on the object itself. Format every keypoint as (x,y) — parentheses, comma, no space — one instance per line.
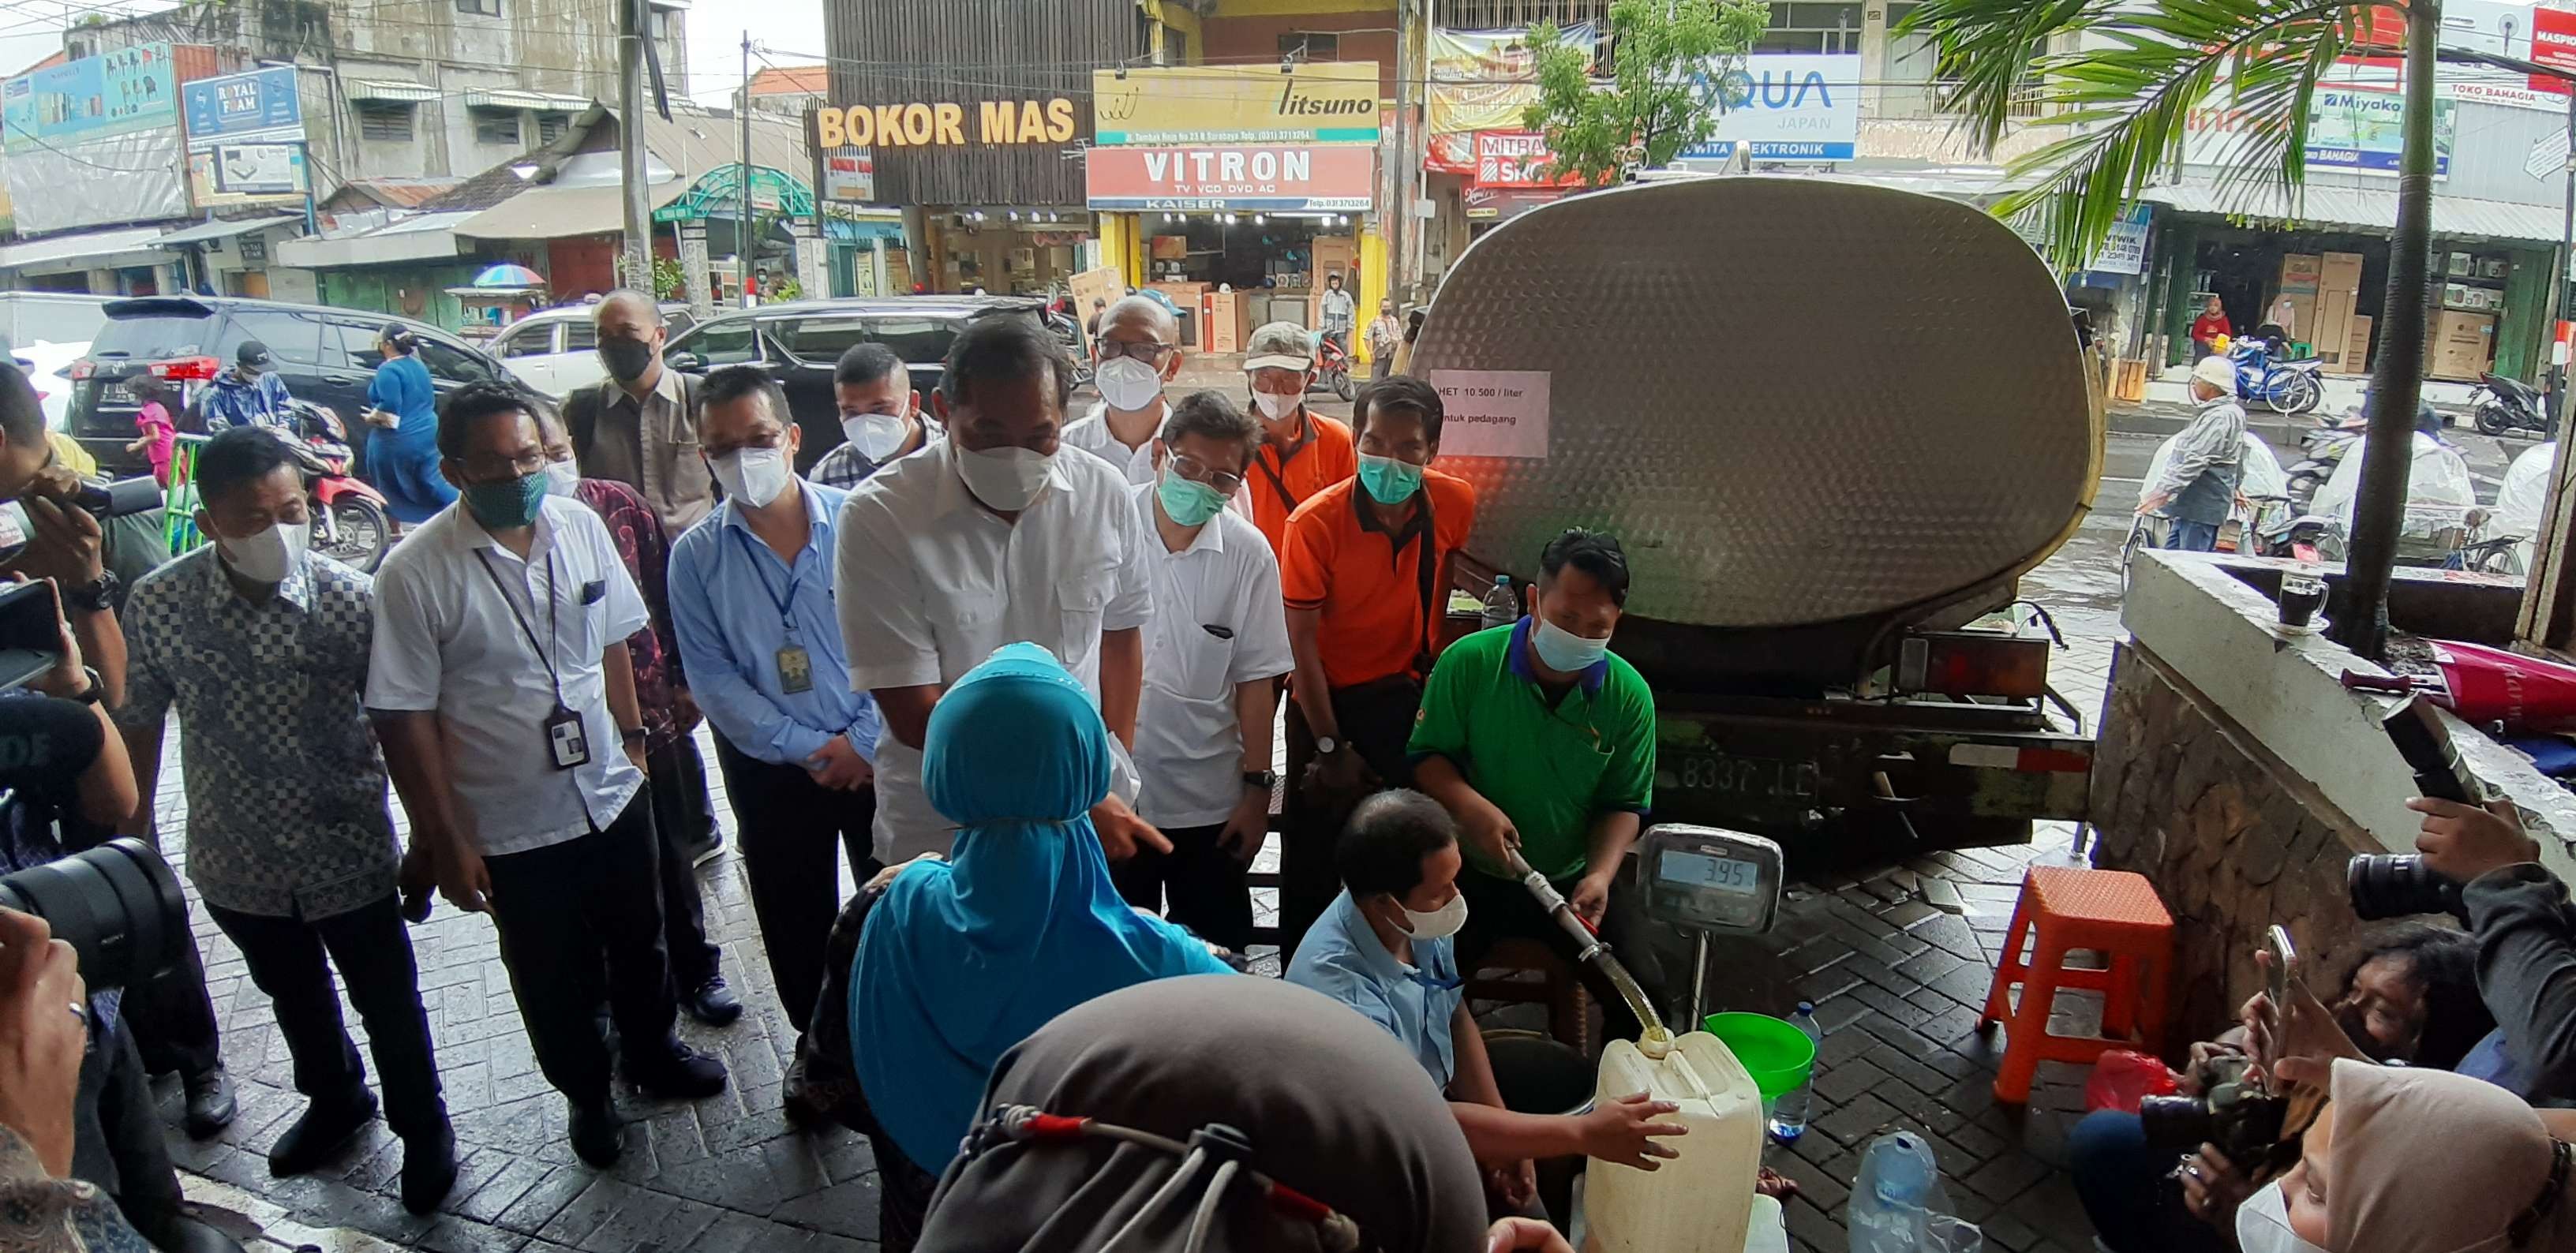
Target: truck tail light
(186,369)
(1970,663)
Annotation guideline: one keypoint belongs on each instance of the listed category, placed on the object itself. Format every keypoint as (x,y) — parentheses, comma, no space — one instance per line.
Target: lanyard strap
(554,617)
(786,604)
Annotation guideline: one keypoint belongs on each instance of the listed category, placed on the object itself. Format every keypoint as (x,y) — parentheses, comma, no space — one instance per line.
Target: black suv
(326,355)
(799,342)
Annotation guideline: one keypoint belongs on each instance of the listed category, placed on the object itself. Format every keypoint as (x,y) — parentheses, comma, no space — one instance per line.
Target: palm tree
(2127,96)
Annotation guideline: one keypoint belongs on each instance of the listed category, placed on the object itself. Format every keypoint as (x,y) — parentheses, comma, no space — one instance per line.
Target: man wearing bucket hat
(1302,452)
(2199,487)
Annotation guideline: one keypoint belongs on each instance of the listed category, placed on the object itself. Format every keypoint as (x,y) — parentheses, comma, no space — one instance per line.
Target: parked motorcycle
(350,524)
(1333,366)
(2281,386)
(2326,444)
(2504,405)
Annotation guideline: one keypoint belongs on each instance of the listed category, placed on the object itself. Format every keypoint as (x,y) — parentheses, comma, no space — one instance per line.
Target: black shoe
(428,1169)
(319,1133)
(598,1137)
(678,1073)
(210,1102)
(712,1003)
(700,852)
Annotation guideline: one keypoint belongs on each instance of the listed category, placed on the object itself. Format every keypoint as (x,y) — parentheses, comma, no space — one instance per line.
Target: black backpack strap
(1426,564)
(581,417)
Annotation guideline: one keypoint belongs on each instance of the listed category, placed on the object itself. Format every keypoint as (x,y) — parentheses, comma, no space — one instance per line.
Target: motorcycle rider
(251,393)
(2200,487)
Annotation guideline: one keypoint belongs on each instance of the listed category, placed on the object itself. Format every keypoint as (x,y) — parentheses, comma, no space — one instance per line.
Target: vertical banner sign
(245,139)
(2124,251)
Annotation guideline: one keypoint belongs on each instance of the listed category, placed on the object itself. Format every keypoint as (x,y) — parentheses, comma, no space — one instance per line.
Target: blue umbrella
(506,276)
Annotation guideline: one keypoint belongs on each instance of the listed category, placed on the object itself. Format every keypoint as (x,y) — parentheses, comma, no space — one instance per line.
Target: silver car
(556,350)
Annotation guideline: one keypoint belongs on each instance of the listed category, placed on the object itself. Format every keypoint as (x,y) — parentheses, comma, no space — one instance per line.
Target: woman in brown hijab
(2420,1161)
(1348,1148)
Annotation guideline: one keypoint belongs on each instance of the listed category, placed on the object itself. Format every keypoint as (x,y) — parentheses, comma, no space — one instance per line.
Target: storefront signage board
(849,174)
(2354,128)
(114,93)
(2124,251)
(1491,204)
(257,170)
(1481,80)
(245,139)
(1493,413)
(944,123)
(1277,179)
(1789,106)
(1517,159)
(1325,102)
(242,105)
(2553,43)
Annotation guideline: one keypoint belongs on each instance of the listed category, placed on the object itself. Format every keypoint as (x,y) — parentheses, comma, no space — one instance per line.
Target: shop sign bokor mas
(944,124)
(1274,179)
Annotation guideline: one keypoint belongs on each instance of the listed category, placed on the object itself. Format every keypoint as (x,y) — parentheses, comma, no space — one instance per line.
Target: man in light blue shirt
(751,602)
(1386,948)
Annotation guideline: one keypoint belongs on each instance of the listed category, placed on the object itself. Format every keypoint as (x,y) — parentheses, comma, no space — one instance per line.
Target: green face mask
(1185,502)
(1389,481)
(508,504)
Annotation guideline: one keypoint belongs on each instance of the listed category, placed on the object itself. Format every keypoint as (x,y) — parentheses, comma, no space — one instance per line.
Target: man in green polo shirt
(1535,737)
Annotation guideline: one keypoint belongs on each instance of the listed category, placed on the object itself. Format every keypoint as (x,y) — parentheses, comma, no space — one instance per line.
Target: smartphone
(2284,974)
(31,631)
(2417,731)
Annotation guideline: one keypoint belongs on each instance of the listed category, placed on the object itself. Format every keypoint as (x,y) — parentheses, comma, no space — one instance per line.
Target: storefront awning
(2359,209)
(226,230)
(422,237)
(549,213)
(65,251)
(387,89)
(492,98)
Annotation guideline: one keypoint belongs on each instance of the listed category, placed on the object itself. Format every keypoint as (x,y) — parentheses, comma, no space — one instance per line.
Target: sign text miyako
(944,123)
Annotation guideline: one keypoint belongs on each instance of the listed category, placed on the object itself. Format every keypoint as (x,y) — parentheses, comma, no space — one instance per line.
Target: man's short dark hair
(1005,349)
(1382,847)
(1209,413)
(1596,553)
(2444,962)
(472,403)
(22,414)
(864,364)
(1400,392)
(238,458)
(732,383)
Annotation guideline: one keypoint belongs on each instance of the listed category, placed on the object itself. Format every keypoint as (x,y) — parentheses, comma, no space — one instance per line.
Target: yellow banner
(1326,102)
(1481,80)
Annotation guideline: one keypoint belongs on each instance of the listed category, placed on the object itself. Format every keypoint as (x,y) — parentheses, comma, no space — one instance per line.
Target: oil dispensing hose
(1589,947)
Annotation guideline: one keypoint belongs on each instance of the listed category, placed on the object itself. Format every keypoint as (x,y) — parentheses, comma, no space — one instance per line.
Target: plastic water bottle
(1898,1205)
(1789,1112)
(1502,604)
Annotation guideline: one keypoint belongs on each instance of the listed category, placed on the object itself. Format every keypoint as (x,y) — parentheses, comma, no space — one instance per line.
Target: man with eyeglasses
(1139,352)
(1214,651)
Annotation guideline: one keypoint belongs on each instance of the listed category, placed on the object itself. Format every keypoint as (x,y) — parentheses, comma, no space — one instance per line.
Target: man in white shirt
(1140,350)
(1214,651)
(992,536)
(501,688)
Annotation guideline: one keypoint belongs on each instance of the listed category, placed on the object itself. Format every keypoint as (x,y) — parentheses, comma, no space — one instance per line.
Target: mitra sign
(1274,179)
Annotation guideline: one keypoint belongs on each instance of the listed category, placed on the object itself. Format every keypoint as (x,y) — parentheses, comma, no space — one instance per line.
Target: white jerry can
(1701,1201)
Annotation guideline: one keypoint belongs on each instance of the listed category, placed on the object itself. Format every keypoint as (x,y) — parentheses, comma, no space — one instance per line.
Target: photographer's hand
(66,546)
(2304,1031)
(2461,842)
(44,1025)
(2212,1187)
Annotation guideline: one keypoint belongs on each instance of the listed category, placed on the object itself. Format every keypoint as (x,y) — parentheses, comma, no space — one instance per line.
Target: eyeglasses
(1147,351)
(1198,471)
(493,470)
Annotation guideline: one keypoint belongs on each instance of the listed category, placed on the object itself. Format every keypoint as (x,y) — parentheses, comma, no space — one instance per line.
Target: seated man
(1385,949)
(1537,739)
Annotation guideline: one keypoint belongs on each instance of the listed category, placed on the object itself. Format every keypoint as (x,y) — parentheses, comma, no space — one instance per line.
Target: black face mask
(626,359)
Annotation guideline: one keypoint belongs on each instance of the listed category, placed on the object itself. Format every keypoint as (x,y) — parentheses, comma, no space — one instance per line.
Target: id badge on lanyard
(567,740)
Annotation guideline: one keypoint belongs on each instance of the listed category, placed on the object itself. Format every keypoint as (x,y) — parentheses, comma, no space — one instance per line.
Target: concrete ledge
(2214,630)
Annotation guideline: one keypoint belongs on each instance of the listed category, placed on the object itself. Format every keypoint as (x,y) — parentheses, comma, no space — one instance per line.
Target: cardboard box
(2300,271)
(2461,346)
(2334,323)
(2356,347)
(2462,265)
(2339,271)
(2494,267)
(1229,321)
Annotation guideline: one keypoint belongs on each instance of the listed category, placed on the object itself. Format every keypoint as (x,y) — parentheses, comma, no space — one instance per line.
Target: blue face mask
(508,504)
(1564,651)
(1389,481)
(1185,502)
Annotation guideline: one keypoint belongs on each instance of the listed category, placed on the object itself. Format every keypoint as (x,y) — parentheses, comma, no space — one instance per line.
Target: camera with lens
(2231,1112)
(118,905)
(2396,885)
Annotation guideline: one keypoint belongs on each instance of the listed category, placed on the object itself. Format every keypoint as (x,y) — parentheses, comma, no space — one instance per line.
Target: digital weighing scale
(1706,880)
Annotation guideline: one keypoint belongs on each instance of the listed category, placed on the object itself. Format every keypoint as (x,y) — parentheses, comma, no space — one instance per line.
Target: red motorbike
(1333,365)
(350,524)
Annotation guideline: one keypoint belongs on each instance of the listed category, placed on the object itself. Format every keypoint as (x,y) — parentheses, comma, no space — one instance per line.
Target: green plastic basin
(1774,1051)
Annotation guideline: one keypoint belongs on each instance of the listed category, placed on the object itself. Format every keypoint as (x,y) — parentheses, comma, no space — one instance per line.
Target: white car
(44,332)
(556,350)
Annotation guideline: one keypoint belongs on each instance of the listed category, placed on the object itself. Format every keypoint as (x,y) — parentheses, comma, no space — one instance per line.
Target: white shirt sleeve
(403,664)
(1131,584)
(1261,643)
(885,626)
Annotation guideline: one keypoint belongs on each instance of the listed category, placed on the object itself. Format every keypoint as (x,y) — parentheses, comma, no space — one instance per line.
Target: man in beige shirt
(639,425)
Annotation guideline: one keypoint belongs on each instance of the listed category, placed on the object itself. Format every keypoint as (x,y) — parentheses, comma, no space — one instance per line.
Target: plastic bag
(2121,1079)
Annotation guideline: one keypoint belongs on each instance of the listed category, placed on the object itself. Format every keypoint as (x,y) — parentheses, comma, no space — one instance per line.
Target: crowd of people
(1018,668)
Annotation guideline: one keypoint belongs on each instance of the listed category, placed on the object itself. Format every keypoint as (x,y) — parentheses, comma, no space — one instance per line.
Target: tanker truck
(1833,424)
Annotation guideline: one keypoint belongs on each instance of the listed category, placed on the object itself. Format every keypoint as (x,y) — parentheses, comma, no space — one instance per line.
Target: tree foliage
(1669,62)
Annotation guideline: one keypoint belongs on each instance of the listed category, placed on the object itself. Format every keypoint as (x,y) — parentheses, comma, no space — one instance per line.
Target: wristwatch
(94,692)
(1326,746)
(96,596)
(1266,780)
(634,733)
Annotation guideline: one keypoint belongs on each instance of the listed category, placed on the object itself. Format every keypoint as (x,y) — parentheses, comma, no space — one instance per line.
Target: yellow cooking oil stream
(1655,1042)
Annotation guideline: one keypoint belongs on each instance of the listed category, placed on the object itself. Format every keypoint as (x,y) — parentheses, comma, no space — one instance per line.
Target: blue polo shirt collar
(1593,676)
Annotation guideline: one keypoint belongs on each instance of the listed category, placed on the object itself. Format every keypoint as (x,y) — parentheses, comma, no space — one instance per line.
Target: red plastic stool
(2112,912)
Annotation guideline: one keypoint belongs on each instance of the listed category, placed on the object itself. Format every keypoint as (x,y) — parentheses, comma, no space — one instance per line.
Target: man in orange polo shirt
(1302,452)
(1364,570)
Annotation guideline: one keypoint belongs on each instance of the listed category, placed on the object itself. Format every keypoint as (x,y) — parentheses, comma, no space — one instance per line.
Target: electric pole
(744,244)
(631,27)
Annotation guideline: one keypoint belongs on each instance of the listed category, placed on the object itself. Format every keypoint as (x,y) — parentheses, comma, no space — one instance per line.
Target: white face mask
(875,435)
(2263,1224)
(1277,406)
(560,477)
(754,476)
(1440,923)
(1128,385)
(1566,652)
(267,556)
(1007,479)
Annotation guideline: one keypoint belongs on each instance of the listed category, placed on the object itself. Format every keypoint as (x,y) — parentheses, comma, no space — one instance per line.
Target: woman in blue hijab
(402,455)
(960,960)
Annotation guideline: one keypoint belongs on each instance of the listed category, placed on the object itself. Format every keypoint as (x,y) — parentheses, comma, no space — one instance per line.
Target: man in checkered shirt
(263,647)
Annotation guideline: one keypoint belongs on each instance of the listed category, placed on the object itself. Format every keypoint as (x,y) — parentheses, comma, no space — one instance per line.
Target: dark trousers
(676,782)
(1205,885)
(1499,909)
(373,952)
(790,830)
(903,1205)
(1376,719)
(575,918)
(2127,1190)
(116,1133)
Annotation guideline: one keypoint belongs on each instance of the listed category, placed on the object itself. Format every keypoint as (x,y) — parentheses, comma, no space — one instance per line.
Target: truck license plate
(1764,777)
